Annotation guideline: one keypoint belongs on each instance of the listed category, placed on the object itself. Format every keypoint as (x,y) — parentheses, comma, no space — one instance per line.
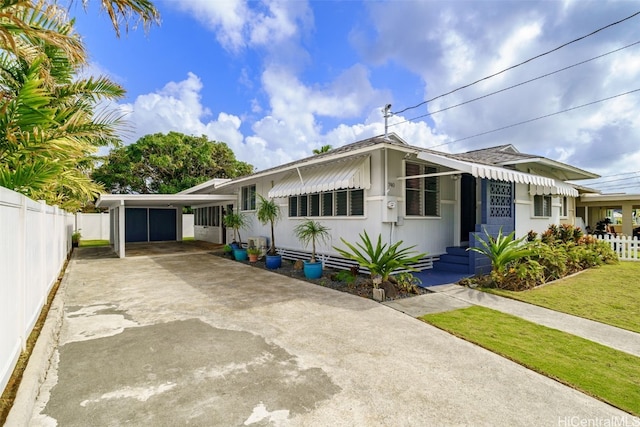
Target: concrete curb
(36,371)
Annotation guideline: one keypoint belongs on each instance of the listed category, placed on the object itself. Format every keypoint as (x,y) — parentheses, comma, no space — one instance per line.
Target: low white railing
(625,246)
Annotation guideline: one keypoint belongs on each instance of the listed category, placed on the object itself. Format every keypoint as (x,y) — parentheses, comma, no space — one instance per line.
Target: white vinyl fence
(35,240)
(625,246)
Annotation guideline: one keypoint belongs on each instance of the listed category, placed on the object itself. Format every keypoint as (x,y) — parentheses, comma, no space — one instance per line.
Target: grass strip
(609,294)
(93,243)
(599,371)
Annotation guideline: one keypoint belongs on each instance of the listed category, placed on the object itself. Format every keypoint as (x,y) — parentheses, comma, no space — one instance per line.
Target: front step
(456,260)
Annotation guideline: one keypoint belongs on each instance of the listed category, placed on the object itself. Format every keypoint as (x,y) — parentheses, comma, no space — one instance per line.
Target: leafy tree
(168,163)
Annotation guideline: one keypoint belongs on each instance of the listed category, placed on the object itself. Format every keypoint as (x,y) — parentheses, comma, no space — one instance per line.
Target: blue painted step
(456,260)
(453,268)
(458,251)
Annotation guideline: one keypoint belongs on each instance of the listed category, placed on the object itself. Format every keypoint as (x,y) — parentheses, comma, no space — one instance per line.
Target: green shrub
(345,276)
(407,282)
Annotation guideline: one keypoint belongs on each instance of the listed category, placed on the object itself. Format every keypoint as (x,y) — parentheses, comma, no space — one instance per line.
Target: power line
(616,180)
(537,118)
(519,64)
(516,85)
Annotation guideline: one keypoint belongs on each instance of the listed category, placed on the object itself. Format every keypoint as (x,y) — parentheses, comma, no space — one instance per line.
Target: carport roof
(132,200)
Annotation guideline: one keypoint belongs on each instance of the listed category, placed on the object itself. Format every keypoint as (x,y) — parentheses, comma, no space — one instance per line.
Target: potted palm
(310,231)
(237,221)
(269,212)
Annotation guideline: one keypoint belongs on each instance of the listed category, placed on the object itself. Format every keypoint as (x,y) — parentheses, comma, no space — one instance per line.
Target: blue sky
(274,80)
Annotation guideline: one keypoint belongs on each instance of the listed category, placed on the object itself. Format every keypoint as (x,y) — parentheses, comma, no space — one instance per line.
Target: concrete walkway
(450,297)
(196,339)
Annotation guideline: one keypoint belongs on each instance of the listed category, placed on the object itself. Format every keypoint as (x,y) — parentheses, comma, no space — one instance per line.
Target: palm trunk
(272,250)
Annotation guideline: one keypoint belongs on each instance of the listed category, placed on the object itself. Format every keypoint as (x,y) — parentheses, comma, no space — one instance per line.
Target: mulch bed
(362,285)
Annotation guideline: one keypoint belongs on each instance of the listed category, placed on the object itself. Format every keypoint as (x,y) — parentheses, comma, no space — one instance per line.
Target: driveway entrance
(196,339)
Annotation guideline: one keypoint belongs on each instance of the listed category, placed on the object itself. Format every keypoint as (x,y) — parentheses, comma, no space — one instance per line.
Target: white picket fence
(625,246)
(35,240)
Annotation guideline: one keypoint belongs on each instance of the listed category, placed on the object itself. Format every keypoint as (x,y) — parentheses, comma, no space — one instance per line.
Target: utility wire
(616,180)
(519,64)
(537,118)
(515,85)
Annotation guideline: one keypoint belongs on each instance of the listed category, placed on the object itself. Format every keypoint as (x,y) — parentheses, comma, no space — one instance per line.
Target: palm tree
(268,212)
(323,149)
(49,127)
(310,231)
(236,221)
(50,130)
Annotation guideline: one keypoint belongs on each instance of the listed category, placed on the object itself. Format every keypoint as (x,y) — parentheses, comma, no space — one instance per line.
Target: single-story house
(433,200)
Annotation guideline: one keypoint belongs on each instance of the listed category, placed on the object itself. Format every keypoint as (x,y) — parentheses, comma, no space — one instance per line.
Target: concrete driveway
(193,339)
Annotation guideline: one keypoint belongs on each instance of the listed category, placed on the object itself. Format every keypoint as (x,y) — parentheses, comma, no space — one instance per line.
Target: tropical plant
(254,251)
(501,250)
(323,149)
(236,221)
(380,260)
(50,129)
(268,212)
(408,282)
(310,231)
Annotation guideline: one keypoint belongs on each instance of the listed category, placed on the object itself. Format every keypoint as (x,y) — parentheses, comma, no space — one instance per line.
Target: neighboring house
(594,207)
(433,200)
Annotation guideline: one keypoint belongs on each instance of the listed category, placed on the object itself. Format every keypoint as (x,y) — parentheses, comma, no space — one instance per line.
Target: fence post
(22,271)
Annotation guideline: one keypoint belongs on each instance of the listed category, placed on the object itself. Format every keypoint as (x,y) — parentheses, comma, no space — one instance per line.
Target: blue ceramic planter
(234,245)
(273,261)
(240,254)
(312,270)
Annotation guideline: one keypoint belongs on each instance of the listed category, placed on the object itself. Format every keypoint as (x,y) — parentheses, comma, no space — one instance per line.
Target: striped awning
(342,174)
(485,171)
(559,188)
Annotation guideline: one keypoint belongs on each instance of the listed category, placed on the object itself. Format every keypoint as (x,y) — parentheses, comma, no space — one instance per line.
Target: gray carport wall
(117,203)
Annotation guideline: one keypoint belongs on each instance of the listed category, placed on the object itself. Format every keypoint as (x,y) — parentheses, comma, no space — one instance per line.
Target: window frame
(248,198)
(341,201)
(426,189)
(539,206)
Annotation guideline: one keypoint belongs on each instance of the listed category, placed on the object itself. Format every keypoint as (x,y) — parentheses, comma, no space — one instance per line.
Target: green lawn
(609,294)
(93,243)
(607,374)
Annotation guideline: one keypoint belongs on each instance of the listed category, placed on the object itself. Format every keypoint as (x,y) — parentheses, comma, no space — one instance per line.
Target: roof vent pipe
(386,111)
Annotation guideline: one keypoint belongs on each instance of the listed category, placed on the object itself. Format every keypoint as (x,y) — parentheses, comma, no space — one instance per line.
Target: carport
(150,217)
(592,207)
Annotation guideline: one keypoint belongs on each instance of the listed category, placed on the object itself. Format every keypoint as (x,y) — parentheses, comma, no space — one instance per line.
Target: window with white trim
(565,206)
(422,195)
(328,203)
(542,205)
(248,198)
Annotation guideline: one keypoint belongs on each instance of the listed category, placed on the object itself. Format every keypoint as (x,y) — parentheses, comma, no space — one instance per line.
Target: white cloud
(239,24)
